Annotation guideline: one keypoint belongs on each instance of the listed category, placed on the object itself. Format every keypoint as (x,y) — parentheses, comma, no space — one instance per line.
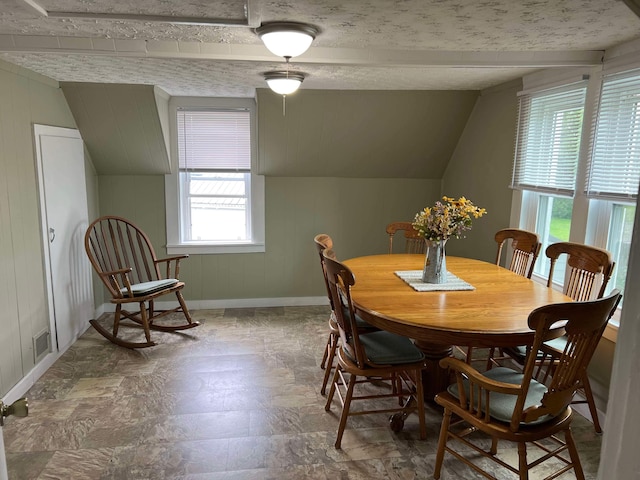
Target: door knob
(52,235)
(19,408)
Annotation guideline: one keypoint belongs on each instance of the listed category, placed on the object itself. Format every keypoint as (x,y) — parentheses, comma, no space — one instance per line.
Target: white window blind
(548,141)
(217,139)
(614,169)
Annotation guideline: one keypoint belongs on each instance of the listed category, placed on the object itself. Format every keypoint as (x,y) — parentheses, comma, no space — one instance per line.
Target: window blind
(614,169)
(548,140)
(214,139)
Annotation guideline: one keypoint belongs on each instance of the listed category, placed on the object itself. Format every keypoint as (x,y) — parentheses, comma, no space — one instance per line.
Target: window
(596,206)
(215,202)
(546,163)
(548,140)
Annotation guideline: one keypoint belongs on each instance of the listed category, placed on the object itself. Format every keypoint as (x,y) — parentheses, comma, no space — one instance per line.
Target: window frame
(591,217)
(173,200)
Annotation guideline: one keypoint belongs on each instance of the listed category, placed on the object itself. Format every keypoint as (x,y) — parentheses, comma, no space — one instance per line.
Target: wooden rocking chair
(124,259)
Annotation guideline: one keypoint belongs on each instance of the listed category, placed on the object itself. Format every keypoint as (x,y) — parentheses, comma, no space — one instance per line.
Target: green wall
(480,169)
(26,98)
(354,211)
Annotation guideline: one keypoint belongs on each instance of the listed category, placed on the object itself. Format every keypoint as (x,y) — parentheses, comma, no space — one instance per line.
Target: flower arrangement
(447,218)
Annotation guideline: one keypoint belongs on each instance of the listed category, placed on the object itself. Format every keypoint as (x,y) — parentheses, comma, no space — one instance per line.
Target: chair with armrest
(367,358)
(525,248)
(413,242)
(590,269)
(532,406)
(125,261)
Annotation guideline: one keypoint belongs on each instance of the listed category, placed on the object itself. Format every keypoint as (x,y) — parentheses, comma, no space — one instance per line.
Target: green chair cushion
(387,348)
(520,352)
(146,288)
(502,405)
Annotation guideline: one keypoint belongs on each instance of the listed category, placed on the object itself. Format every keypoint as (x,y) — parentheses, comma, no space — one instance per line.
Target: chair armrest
(474,390)
(474,377)
(116,280)
(176,268)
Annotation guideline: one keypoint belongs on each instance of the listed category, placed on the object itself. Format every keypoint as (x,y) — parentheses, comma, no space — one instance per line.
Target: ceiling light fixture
(284,82)
(287,39)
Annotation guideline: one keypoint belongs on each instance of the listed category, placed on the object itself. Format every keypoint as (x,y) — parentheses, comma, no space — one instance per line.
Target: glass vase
(435,264)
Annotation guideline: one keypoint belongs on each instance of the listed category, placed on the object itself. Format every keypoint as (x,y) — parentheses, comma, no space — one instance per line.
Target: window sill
(204,249)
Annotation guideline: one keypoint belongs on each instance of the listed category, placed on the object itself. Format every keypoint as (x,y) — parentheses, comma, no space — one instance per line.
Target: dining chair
(413,242)
(367,358)
(324,242)
(588,272)
(524,251)
(525,247)
(124,259)
(532,406)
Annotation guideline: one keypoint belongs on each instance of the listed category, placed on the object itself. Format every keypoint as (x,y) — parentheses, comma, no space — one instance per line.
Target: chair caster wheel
(396,422)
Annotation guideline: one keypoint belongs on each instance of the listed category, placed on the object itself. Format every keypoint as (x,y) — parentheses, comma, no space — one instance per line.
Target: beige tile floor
(236,398)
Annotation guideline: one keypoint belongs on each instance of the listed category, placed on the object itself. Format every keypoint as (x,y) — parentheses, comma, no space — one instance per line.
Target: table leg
(434,378)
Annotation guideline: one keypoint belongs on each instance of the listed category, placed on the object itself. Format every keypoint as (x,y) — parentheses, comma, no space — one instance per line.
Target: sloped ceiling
(120,126)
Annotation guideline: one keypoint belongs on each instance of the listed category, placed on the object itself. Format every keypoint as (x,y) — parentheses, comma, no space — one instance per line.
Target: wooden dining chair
(413,242)
(324,242)
(589,270)
(525,248)
(367,358)
(124,259)
(528,407)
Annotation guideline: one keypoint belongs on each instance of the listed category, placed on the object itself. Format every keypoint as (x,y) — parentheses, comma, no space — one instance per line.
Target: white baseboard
(23,386)
(235,303)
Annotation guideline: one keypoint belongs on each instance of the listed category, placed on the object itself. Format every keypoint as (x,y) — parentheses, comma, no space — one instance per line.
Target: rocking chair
(124,259)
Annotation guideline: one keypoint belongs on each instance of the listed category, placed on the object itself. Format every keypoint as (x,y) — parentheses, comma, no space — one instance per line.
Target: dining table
(483,305)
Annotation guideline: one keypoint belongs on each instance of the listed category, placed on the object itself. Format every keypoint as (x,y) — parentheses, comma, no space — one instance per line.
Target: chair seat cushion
(147,288)
(385,348)
(520,353)
(501,404)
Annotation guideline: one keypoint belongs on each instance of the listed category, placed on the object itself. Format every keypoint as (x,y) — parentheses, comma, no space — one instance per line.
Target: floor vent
(40,345)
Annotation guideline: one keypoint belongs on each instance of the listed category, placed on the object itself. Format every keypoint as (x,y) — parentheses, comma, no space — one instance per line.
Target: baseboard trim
(22,387)
(235,303)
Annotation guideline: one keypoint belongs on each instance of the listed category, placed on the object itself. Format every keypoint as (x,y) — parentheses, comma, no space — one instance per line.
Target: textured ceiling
(363,44)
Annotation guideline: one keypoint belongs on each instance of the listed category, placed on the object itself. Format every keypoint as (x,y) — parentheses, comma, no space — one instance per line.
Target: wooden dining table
(493,314)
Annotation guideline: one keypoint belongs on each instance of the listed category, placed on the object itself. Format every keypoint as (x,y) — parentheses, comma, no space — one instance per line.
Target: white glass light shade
(287,39)
(284,83)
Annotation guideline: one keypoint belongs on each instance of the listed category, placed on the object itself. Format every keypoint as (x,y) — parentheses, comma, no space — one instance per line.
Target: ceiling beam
(327,56)
(249,19)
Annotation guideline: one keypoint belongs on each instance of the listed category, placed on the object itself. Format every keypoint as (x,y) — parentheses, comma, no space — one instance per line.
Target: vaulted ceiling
(362,45)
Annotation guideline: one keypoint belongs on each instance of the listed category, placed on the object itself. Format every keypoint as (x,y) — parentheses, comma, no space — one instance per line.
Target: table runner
(414,279)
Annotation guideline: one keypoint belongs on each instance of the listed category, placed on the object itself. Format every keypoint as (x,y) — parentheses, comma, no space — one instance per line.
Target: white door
(63,203)
(3,461)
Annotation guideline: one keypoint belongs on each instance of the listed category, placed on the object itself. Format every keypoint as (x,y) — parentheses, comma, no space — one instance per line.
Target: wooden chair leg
(523,467)
(345,410)
(442,442)
(326,351)
(183,305)
(591,402)
(332,389)
(331,353)
(420,402)
(573,453)
(116,319)
(145,321)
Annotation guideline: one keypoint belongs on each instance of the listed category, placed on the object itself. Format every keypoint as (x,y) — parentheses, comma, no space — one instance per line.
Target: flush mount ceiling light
(287,39)
(284,82)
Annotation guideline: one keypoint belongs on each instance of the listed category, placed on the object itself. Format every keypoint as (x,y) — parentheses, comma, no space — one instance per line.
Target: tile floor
(236,398)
